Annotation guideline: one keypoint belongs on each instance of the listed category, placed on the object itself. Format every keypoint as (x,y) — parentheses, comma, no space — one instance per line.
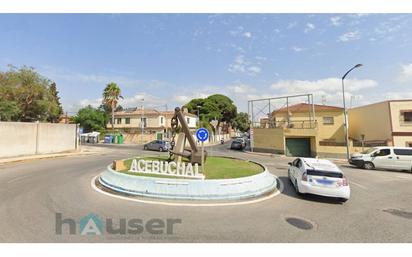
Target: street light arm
(354,67)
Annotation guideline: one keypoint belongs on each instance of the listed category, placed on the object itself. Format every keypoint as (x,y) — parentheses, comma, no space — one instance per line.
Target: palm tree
(111,96)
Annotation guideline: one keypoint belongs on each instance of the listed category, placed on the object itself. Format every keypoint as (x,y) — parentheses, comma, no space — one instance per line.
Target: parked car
(319,177)
(157,145)
(237,145)
(391,158)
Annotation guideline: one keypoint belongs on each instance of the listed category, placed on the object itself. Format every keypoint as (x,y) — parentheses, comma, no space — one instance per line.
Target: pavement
(35,191)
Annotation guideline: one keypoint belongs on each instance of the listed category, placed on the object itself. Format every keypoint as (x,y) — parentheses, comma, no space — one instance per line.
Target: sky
(168,59)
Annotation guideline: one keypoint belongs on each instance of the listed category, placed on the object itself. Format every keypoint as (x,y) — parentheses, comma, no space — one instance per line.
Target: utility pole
(142,121)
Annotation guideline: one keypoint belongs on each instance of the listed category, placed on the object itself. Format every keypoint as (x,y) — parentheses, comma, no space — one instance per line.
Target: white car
(319,177)
(387,157)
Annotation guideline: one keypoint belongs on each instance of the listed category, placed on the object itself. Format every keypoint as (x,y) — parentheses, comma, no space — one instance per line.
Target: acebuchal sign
(175,169)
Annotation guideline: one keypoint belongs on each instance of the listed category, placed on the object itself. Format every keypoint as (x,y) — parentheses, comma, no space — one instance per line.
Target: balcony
(293,124)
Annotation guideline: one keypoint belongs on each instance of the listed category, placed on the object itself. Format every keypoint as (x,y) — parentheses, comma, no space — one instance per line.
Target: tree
(241,122)
(111,96)
(55,109)
(9,110)
(216,106)
(91,119)
(34,95)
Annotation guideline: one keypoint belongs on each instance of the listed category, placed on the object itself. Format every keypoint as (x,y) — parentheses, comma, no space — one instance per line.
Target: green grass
(215,168)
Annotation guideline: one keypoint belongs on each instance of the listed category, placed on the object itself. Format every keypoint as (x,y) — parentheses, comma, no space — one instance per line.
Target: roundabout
(188,173)
(224,180)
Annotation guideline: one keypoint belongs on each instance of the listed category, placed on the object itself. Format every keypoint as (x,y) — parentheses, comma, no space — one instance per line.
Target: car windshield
(368,151)
(323,173)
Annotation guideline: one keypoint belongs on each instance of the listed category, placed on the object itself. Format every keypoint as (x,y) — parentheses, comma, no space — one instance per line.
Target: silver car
(157,145)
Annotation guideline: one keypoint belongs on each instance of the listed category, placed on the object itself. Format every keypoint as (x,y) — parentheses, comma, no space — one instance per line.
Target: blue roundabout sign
(202,134)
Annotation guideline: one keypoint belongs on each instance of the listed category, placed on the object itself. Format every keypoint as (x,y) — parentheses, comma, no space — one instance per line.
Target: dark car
(157,145)
(237,145)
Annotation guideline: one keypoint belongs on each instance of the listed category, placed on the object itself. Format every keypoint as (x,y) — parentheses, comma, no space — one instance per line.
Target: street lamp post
(345,114)
(198,115)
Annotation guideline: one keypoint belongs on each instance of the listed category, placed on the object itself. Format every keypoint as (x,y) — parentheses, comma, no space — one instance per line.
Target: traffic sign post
(202,135)
(252,139)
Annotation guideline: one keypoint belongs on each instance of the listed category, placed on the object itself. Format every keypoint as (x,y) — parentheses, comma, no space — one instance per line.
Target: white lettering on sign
(179,169)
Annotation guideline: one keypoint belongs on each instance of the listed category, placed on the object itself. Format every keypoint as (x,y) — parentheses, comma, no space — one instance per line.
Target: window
(383,152)
(407,116)
(403,151)
(323,173)
(328,121)
(161,120)
(119,120)
(188,120)
(127,120)
(297,163)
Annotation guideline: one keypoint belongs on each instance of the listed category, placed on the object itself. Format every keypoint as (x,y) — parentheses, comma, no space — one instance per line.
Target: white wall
(24,138)
(192,121)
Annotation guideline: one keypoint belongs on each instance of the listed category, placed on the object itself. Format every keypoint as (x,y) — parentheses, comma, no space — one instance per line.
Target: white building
(156,124)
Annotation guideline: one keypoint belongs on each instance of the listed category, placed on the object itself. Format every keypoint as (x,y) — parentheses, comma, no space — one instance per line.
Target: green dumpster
(120,139)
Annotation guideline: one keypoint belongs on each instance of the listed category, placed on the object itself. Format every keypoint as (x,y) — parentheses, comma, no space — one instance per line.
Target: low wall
(25,138)
(189,189)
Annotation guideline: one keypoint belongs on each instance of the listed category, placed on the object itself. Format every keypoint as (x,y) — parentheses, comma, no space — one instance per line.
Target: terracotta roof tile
(304,107)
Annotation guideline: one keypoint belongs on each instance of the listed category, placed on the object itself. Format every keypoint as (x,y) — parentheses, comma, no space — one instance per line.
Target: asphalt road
(32,192)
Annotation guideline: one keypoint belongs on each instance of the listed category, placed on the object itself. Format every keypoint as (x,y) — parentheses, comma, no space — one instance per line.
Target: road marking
(357,184)
(273,194)
(17,179)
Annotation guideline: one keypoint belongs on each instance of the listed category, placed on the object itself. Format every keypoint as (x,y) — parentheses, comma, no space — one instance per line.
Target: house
(302,130)
(384,123)
(155,124)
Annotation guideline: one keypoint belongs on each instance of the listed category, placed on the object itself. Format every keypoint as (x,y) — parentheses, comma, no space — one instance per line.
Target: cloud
(247,34)
(92,102)
(349,36)
(71,76)
(150,101)
(398,95)
(330,88)
(406,72)
(297,49)
(291,25)
(336,21)
(254,69)
(309,27)
(241,65)
(241,89)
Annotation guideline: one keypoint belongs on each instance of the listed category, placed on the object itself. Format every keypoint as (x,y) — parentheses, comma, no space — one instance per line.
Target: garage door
(298,147)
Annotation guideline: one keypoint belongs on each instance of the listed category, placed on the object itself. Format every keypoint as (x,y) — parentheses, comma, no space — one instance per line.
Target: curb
(264,154)
(39,157)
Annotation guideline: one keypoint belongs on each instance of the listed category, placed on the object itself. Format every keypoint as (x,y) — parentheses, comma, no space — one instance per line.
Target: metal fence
(261,112)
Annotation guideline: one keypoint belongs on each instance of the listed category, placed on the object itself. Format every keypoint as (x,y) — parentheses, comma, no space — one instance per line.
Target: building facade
(154,124)
(302,130)
(386,123)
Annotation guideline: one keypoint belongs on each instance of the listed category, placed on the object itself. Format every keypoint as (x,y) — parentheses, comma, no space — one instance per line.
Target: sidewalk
(80,152)
(335,160)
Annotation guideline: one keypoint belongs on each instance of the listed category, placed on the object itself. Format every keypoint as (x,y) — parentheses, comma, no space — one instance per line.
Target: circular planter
(189,189)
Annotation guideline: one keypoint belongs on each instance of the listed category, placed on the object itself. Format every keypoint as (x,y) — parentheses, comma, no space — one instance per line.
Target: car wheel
(368,166)
(161,149)
(144,147)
